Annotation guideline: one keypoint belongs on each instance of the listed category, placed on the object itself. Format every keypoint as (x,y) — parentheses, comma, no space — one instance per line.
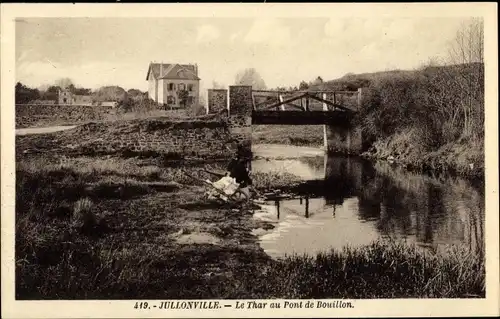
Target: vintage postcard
(249,160)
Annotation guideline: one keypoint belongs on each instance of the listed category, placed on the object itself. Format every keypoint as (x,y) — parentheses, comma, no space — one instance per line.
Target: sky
(94,52)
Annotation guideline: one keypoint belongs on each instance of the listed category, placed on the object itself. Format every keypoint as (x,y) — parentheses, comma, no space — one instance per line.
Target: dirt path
(43,130)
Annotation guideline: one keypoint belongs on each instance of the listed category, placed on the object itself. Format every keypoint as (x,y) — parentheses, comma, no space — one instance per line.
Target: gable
(151,72)
(171,71)
(178,72)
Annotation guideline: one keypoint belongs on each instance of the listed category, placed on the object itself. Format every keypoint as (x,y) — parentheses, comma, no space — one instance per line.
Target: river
(353,202)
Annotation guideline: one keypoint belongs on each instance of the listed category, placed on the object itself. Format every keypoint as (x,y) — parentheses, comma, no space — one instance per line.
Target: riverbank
(108,227)
(463,157)
(296,135)
(114,228)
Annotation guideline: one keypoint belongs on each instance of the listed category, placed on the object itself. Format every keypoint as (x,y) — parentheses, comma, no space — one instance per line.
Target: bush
(426,99)
(140,104)
(197,110)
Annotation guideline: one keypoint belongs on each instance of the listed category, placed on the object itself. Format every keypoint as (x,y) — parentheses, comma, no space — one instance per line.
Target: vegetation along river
(344,201)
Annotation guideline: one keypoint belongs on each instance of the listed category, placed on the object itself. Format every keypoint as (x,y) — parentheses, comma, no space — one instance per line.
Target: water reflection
(303,206)
(352,202)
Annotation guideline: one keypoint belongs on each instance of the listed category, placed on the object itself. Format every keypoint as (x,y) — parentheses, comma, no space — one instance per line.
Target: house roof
(173,71)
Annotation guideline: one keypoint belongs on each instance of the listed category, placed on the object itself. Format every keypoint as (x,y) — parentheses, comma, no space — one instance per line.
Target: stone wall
(238,112)
(177,139)
(240,116)
(31,115)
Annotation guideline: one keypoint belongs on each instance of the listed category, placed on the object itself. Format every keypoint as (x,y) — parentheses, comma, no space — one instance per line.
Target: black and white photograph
(258,161)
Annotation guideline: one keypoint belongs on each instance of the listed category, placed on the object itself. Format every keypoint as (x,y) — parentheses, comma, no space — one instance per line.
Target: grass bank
(113,227)
(123,228)
(298,135)
(380,270)
(463,157)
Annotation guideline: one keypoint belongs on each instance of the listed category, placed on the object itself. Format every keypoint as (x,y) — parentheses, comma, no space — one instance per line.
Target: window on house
(182,86)
(190,87)
(170,86)
(64,100)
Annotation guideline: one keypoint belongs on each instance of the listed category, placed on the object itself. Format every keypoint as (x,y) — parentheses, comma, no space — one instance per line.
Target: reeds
(380,270)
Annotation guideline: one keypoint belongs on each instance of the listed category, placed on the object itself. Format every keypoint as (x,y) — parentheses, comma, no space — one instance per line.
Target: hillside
(352,81)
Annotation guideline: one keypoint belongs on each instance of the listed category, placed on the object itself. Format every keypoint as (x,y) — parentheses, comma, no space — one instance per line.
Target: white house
(173,85)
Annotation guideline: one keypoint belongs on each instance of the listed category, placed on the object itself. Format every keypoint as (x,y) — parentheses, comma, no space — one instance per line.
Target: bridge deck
(302,118)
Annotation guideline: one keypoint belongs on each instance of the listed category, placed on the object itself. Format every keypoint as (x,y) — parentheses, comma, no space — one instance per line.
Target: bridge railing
(306,100)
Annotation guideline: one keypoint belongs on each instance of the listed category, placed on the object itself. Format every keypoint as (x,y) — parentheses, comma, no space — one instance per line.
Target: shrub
(429,99)
(197,110)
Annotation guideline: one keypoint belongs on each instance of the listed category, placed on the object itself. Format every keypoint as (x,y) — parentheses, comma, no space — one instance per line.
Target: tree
(81,91)
(459,86)
(53,89)
(216,85)
(454,87)
(110,93)
(183,97)
(467,52)
(251,77)
(72,88)
(134,93)
(24,94)
(50,93)
(303,85)
(65,83)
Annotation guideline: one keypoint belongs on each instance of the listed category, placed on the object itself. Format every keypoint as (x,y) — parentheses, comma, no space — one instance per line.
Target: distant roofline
(170,67)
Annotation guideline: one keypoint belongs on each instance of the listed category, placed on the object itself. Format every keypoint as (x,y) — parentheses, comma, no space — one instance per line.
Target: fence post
(217,101)
(240,116)
(281,101)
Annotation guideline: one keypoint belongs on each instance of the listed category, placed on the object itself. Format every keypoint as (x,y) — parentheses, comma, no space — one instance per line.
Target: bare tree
(251,77)
(458,84)
(468,45)
(217,85)
(64,83)
(467,56)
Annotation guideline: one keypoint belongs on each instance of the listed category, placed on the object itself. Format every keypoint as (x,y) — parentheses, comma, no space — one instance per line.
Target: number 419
(141,305)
